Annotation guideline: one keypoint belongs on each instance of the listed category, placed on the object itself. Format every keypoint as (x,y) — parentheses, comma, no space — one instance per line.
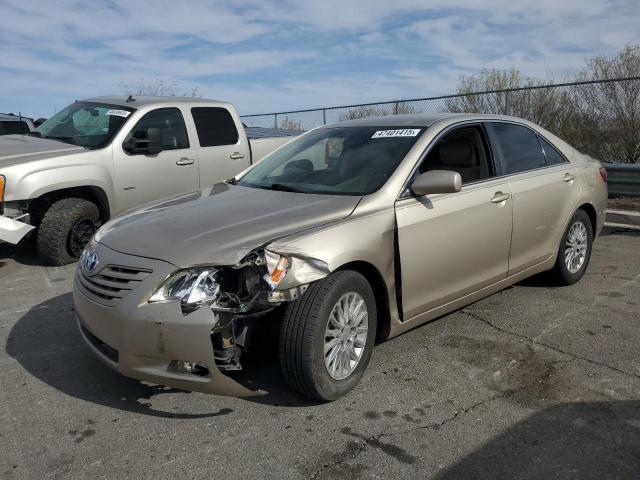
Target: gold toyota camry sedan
(351,232)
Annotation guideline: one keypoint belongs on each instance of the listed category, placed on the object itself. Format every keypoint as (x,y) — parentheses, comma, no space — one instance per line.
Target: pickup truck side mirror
(39,121)
(150,144)
(437,181)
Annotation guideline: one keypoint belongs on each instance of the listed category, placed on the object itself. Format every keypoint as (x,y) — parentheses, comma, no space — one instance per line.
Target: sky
(268,55)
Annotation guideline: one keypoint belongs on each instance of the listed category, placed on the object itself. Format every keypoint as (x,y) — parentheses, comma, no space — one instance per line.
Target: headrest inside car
(457,152)
(302,164)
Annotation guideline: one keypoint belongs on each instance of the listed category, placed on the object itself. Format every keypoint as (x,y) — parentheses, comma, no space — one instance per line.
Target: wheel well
(593,216)
(379,287)
(39,206)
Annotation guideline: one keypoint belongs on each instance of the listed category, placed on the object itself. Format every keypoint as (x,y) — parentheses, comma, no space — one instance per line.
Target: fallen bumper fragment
(13,231)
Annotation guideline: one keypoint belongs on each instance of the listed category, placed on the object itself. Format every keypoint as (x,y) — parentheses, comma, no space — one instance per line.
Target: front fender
(367,236)
(27,184)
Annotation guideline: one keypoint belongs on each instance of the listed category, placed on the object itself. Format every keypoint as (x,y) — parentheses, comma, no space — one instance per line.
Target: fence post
(324,116)
(275,120)
(506,103)
(395,109)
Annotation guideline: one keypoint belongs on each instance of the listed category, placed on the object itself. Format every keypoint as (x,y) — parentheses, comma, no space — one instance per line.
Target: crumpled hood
(16,149)
(219,225)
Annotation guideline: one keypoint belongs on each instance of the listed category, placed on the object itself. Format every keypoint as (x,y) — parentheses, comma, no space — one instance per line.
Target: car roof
(141,101)
(419,120)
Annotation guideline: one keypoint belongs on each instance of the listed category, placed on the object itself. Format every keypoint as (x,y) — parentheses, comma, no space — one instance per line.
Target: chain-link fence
(599,117)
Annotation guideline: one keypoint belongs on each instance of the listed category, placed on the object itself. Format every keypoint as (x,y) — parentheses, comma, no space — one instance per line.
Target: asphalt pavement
(535,382)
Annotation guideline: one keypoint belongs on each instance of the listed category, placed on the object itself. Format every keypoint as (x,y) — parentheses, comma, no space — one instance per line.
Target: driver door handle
(185,161)
(236,156)
(500,197)
(568,177)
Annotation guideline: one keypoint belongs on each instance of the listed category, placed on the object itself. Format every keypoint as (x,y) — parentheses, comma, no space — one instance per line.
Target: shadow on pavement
(24,253)
(574,440)
(608,231)
(46,342)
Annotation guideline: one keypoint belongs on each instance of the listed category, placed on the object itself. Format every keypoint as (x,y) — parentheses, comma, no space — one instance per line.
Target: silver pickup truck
(102,156)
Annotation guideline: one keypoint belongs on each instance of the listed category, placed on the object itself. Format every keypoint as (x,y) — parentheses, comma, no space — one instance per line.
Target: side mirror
(38,122)
(150,144)
(437,181)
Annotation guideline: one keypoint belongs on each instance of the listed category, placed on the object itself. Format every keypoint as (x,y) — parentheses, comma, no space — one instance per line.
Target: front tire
(327,336)
(575,250)
(65,229)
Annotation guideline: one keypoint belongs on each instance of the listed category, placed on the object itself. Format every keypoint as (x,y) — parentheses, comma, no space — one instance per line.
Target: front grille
(113,283)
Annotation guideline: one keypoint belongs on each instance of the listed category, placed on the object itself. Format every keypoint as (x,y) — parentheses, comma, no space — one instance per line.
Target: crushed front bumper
(13,231)
(141,340)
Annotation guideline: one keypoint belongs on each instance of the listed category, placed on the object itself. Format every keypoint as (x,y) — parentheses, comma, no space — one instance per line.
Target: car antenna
(130,99)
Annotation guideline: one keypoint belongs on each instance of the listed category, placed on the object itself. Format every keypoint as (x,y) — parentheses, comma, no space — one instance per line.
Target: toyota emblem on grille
(90,262)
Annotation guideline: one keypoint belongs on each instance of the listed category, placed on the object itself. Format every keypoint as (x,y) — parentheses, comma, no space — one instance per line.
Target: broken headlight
(191,287)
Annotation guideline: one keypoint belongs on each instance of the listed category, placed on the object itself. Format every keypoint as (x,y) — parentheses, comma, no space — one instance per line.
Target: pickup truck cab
(102,156)
(11,123)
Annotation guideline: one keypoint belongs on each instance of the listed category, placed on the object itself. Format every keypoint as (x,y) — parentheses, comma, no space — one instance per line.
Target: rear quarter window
(521,150)
(215,126)
(554,157)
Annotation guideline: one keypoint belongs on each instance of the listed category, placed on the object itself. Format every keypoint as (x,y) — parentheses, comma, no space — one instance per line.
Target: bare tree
(397,108)
(609,113)
(158,88)
(364,112)
(549,107)
(291,124)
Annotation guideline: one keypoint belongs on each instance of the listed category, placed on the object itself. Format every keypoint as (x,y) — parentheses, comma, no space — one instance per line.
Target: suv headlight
(194,286)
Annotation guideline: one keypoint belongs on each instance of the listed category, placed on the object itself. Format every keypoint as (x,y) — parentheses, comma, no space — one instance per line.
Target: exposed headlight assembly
(192,287)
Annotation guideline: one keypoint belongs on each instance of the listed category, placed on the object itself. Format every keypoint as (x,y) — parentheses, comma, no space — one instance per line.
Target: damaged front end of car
(237,295)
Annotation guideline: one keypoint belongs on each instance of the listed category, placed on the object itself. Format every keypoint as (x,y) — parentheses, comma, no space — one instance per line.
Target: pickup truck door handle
(236,156)
(185,161)
(500,197)
(568,177)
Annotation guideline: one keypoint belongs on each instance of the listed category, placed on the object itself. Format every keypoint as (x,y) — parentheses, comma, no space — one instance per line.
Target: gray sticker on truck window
(119,113)
(404,132)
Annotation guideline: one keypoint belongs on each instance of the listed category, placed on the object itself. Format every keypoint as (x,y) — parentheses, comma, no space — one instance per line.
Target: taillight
(603,173)
(3,181)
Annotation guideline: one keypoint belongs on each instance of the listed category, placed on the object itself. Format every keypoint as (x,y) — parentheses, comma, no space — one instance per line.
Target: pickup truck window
(88,124)
(335,161)
(215,126)
(173,132)
(12,127)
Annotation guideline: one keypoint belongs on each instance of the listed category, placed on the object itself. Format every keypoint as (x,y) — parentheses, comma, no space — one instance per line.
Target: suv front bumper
(13,231)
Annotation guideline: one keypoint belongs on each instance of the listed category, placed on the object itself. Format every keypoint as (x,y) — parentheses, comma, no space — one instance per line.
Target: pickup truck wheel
(327,336)
(66,228)
(575,250)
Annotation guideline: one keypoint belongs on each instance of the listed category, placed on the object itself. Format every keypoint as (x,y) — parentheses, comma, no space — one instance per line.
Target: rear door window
(215,126)
(521,150)
(554,157)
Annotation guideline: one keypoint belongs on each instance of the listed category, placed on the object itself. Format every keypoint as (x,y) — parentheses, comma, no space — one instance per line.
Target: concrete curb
(623,219)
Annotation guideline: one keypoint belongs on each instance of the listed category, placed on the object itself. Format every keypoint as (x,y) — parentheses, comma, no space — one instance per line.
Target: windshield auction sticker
(119,113)
(405,132)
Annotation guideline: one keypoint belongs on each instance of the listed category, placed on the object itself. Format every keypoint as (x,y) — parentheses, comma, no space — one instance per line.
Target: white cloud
(271,55)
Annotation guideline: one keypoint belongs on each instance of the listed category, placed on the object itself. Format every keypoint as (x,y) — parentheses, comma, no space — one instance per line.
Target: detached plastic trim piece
(13,231)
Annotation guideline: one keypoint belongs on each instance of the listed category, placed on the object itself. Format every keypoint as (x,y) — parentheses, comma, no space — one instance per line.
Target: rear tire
(65,229)
(575,250)
(310,325)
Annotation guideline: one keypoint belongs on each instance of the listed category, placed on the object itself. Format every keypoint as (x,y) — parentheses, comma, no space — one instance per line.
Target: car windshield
(88,124)
(335,161)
